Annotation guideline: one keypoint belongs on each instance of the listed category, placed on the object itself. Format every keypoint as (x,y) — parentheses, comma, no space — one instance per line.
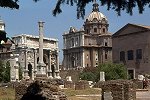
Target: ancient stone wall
(81,85)
(121,89)
(39,90)
(69,84)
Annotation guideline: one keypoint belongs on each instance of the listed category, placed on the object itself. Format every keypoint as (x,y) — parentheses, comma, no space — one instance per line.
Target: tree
(117,5)
(89,76)
(4,71)
(9,3)
(112,71)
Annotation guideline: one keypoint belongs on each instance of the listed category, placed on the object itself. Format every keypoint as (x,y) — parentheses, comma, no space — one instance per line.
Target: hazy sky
(25,20)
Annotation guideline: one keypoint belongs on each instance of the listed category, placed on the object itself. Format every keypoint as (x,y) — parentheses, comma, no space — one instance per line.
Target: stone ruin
(119,89)
(81,85)
(39,90)
(69,84)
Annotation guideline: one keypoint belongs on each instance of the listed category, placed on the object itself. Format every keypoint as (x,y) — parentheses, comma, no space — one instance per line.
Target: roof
(144,26)
(131,29)
(96,14)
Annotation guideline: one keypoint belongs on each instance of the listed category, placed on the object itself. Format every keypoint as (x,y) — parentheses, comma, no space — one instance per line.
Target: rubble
(39,90)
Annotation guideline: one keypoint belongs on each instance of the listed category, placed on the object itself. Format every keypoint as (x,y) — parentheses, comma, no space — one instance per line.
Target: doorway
(30,70)
(131,73)
(53,70)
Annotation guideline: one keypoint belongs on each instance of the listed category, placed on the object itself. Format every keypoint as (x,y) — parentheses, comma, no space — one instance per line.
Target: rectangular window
(139,54)
(106,54)
(95,29)
(106,44)
(122,56)
(130,55)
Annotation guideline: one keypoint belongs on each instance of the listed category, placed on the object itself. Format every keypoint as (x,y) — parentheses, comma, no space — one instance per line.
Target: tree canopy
(112,72)
(117,5)
(4,71)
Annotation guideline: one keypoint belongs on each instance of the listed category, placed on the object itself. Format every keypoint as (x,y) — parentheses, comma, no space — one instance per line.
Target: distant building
(90,45)
(131,46)
(25,53)
(5,50)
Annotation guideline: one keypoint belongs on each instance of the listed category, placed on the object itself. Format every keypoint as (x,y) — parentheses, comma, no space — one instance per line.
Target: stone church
(90,45)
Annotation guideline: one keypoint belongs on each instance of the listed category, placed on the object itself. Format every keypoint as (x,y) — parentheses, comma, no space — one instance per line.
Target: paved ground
(143,95)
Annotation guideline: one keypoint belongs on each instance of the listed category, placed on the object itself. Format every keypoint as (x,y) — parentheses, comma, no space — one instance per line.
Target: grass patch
(7,93)
(72,92)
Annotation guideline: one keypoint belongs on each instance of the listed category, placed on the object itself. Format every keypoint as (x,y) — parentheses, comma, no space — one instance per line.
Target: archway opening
(44,60)
(30,70)
(53,70)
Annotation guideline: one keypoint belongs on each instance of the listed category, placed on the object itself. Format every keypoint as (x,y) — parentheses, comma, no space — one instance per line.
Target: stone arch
(30,70)
(45,59)
(53,70)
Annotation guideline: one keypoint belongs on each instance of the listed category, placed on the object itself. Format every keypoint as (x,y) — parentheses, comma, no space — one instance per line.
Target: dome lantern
(96,14)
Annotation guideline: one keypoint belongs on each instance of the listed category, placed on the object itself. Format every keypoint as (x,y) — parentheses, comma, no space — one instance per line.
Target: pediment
(129,29)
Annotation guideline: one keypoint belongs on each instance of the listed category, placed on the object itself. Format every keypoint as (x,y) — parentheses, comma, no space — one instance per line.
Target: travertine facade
(131,46)
(26,54)
(90,45)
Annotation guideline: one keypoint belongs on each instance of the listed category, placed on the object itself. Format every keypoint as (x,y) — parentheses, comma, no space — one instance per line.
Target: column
(35,62)
(82,39)
(49,65)
(83,60)
(41,72)
(26,66)
(57,65)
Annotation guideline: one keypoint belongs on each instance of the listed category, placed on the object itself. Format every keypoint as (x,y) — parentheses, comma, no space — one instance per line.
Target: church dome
(96,14)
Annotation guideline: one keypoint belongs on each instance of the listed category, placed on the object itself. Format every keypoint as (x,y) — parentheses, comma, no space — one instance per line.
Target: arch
(30,70)
(53,70)
(44,60)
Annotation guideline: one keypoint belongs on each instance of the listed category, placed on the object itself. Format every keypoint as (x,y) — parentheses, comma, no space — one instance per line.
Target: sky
(25,20)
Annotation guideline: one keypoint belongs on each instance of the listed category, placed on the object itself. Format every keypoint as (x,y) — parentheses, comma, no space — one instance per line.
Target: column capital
(41,23)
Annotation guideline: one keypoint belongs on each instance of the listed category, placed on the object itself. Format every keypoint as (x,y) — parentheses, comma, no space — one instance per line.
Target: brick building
(131,46)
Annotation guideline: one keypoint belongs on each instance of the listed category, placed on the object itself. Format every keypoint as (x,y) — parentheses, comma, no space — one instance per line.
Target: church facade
(26,56)
(90,45)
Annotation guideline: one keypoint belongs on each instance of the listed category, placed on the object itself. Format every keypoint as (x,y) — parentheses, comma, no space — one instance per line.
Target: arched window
(103,30)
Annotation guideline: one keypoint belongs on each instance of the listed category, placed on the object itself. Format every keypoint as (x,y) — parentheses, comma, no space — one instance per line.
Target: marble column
(41,66)
(35,62)
(49,65)
(26,66)
(57,66)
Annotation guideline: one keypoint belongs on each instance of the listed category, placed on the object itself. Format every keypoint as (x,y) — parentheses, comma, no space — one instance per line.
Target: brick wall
(121,89)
